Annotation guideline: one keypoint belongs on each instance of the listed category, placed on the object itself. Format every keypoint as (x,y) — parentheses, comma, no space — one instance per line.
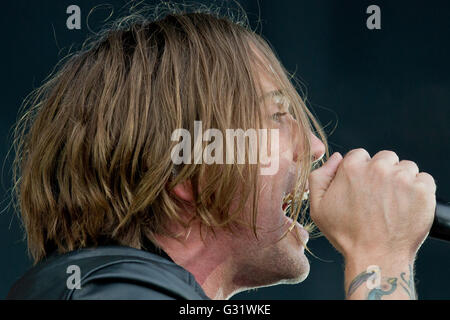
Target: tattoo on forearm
(408,285)
(387,285)
(358,281)
(384,290)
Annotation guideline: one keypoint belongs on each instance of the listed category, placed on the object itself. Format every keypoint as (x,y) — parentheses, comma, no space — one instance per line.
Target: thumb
(320,179)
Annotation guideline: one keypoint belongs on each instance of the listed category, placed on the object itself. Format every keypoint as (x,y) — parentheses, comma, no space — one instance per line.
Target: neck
(211,264)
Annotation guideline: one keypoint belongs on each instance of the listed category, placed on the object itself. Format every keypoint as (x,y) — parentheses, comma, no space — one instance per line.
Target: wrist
(361,258)
(390,276)
(387,265)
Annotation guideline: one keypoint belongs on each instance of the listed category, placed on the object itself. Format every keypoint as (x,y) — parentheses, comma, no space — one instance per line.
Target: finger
(409,166)
(386,155)
(357,154)
(428,180)
(320,179)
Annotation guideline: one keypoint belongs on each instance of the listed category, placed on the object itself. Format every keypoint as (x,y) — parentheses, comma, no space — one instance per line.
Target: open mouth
(288,201)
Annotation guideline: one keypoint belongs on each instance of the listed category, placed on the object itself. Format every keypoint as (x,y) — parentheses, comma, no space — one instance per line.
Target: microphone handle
(441,224)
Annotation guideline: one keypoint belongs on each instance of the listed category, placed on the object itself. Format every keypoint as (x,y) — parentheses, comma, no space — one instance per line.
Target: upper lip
(291,189)
(306,188)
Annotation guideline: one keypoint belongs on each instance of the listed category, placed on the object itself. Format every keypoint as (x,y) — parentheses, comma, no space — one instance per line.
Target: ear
(183,190)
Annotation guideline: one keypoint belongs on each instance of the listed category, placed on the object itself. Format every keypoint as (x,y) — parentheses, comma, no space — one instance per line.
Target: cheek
(270,214)
(286,148)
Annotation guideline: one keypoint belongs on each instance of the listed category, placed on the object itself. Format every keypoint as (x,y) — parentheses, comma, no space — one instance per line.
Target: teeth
(305,195)
(288,198)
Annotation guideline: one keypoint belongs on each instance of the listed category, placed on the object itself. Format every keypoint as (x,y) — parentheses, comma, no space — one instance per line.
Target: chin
(292,260)
(294,265)
(282,263)
(297,274)
(274,261)
(287,263)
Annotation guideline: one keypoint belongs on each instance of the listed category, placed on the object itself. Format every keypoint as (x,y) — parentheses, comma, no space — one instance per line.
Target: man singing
(99,191)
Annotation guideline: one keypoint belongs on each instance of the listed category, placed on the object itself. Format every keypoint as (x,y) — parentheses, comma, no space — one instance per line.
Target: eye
(278,115)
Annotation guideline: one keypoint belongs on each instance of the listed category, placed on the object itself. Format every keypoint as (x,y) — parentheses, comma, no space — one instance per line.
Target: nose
(317,147)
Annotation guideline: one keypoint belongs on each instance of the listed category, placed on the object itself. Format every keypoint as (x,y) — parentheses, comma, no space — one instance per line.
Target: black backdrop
(379,89)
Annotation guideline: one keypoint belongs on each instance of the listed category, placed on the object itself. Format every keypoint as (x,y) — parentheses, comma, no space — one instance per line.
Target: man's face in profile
(269,261)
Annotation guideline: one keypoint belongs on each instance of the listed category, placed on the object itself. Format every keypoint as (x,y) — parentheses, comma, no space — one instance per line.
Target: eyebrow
(273,93)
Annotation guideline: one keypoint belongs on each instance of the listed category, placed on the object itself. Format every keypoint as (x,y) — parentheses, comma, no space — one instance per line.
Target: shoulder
(108,273)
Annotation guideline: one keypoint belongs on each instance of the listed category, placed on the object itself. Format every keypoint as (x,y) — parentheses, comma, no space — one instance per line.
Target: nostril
(318,148)
(318,156)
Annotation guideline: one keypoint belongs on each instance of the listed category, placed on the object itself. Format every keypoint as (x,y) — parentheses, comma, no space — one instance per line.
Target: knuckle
(403,178)
(353,159)
(379,166)
(421,187)
(360,151)
(426,176)
(423,193)
(350,164)
(427,181)
(409,163)
(385,153)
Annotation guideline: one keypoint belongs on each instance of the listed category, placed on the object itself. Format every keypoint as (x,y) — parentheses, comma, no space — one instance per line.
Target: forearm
(386,278)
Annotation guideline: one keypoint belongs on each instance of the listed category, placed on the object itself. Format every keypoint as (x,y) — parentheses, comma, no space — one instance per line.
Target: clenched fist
(372,206)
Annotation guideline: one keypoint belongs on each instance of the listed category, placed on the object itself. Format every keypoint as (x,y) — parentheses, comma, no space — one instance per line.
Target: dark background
(379,89)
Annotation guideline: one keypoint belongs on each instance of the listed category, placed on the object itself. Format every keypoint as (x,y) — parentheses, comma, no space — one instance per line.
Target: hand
(372,206)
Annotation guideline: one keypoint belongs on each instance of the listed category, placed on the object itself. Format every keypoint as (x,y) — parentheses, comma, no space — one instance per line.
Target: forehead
(270,91)
(266,81)
(263,71)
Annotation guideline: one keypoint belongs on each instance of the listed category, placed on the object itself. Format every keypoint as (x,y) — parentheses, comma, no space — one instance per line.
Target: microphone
(441,224)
